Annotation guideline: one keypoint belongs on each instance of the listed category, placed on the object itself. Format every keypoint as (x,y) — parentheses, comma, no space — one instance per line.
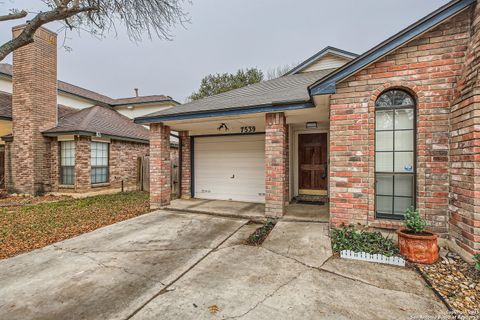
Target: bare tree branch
(14,15)
(39,20)
(100,17)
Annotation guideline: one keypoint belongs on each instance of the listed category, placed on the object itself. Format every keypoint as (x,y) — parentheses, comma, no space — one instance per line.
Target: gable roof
(317,56)
(6,69)
(327,85)
(284,93)
(100,120)
(6,107)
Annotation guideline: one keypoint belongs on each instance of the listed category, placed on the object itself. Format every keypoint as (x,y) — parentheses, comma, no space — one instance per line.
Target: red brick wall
(160,167)
(185,162)
(124,163)
(276,163)
(428,68)
(82,164)
(465,149)
(8,167)
(34,109)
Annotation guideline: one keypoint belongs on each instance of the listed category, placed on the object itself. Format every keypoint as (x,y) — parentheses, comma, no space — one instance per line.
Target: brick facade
(34,109)
(465,149)
(185,163)
(160,167)
(276,164)
(123,165)
(427,67)
(440,69)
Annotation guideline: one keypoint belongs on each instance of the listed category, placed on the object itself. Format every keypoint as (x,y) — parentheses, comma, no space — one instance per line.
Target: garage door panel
(230,168)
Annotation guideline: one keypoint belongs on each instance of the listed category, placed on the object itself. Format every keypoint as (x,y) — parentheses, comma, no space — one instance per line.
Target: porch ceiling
(209,126)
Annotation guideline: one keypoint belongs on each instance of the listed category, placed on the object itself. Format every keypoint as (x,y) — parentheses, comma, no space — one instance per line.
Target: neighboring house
(395,127)
(63,138)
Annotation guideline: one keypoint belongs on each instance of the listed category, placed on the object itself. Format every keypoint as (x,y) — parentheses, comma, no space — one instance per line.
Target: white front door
(230,167)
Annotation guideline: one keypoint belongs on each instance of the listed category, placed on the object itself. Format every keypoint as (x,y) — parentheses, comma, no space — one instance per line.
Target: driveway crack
(167,286)
(321,269)
(103,265)
(266,297)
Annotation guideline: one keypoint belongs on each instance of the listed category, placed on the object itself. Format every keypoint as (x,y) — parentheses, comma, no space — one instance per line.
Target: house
(63,138)
(395,127)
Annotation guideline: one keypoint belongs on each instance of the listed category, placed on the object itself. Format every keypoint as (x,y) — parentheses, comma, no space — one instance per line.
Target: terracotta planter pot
(418,248)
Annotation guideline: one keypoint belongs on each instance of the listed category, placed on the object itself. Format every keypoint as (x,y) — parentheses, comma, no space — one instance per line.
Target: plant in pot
(415,242)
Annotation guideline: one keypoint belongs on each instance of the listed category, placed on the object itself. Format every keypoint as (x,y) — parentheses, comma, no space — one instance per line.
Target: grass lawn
(30,227)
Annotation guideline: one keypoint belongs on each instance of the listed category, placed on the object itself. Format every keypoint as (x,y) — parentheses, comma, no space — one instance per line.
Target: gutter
(93,134)
(226,112)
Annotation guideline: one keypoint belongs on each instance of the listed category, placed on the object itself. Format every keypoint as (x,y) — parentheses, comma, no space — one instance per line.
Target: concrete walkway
(166,265)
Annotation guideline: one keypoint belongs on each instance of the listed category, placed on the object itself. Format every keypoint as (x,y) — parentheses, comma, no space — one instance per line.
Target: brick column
(160,170)
(83,179)
(185,164)
(276,164)
(55,163)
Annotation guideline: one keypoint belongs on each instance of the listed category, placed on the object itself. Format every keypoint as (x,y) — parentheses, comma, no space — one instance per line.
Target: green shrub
(476,258)
(414,222)
(347,238)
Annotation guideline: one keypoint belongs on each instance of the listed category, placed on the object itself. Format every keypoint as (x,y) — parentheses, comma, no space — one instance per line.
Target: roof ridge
(91,111)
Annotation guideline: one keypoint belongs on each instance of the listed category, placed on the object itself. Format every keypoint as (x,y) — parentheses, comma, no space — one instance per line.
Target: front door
(313,161)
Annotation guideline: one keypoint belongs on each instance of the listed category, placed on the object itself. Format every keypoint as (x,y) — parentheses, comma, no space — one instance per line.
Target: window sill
(98,185)
(66,186)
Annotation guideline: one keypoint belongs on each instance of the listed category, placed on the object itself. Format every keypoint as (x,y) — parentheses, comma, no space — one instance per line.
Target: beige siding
(141,110)
(329,61)
(5,84)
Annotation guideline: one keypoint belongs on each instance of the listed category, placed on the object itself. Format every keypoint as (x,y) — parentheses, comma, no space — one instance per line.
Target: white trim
(294,152)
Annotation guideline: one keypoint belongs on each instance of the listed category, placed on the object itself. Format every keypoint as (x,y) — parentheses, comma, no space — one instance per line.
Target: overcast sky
(225,35)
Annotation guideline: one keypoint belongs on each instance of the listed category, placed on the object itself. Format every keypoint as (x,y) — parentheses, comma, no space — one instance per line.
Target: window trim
(108,164)
(393,216)
(60,176)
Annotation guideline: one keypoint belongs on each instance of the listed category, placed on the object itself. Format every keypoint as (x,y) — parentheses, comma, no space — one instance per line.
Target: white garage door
(230,167)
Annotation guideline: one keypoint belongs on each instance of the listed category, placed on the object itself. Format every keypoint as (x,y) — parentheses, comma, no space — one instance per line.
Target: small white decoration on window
(378,258)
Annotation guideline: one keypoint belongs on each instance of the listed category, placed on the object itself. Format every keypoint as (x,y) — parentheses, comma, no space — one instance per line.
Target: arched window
(394,154)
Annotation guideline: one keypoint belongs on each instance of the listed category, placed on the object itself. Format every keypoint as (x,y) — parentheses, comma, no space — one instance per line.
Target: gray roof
(7,70)
(6,107)
(102,120)
(285,90)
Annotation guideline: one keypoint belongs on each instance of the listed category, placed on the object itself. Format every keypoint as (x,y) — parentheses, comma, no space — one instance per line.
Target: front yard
(28,227)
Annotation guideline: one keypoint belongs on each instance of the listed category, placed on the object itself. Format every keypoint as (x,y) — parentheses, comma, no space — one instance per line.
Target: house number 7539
(249,129)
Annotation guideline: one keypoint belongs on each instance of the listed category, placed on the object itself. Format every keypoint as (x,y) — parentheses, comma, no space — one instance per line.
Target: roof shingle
(6,69)
(101,120)
(6,107)
(283,90)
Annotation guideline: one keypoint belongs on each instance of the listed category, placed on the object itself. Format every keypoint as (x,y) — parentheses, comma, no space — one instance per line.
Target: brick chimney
(34,109)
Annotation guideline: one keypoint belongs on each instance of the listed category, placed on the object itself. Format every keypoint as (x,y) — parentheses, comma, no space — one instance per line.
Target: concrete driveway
(184,266)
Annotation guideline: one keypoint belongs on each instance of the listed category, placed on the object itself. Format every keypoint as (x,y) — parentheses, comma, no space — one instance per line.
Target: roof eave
(320,54)
(226,112)
(91,134)
(146,102)
(327,85)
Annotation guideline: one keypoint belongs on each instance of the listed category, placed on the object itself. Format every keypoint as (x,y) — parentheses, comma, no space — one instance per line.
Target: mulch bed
(33,226)
(457,282)
(259,235)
